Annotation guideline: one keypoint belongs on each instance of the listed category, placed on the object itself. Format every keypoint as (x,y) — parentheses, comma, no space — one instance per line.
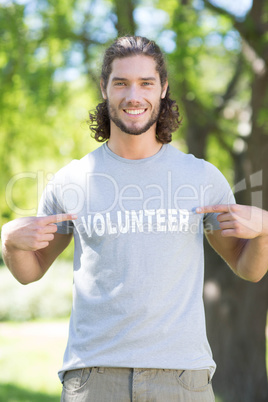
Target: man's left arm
(242,240)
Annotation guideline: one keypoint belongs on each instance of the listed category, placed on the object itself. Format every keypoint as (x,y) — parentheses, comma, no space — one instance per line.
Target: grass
(31,354)
(31,349)
(13,393)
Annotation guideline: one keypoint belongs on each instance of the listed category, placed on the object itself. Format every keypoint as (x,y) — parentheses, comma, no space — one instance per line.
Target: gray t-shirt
(139,260)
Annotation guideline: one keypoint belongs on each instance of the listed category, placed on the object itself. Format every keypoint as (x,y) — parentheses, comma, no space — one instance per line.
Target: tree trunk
(237,313)
(125,23)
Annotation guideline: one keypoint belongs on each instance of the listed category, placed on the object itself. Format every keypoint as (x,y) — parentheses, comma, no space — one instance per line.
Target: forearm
(253,260)
(243,239)
(31,245)
(24,265)
(252,263)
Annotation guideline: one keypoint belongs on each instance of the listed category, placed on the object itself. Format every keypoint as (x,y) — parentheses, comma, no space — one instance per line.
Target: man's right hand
(32,233)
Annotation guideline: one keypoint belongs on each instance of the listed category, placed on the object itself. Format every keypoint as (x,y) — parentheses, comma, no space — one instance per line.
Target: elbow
(257,279)
(251,273)
(24,280)
(252,278)
(260,275)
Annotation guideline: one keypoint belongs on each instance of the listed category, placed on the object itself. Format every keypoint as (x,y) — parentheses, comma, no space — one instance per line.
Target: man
(137,208)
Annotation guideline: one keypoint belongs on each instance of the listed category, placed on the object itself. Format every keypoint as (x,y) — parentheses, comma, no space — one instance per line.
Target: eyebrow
(141,79)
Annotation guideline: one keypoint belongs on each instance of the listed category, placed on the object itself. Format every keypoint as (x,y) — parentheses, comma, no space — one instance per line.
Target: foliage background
(50,55)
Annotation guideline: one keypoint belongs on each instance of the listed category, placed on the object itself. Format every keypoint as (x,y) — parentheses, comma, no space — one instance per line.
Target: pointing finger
(47,220)
(213,209)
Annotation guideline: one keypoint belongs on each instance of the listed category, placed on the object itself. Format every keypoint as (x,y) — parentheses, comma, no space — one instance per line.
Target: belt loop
(100,370)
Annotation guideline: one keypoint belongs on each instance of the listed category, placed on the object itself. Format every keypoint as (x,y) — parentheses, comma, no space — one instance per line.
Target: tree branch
(252,30)
(218,9)
(237,25)
(258,65)
(218,133)
(230,90)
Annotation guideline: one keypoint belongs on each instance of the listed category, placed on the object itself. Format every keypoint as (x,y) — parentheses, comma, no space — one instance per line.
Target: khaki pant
(100,384)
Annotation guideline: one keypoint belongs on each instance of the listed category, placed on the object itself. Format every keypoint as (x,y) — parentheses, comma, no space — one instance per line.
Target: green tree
(42,45)
(218,73)
(125,21)
(224,96)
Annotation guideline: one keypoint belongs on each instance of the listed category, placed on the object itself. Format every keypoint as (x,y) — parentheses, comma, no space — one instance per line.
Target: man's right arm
(30,245)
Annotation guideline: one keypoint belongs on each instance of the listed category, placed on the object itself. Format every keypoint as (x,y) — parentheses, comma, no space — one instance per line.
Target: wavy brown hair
(169,117)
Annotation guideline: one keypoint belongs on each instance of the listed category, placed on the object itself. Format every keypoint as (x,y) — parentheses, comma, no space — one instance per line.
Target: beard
(132,130)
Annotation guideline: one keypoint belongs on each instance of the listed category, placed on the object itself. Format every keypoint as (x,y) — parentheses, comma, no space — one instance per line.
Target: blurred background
(50,57)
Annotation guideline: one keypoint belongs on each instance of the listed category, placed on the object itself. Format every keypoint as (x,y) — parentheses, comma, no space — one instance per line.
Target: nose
(133,95)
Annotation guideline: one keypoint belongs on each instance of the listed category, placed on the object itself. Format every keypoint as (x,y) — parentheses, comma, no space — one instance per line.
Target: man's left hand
(242,221)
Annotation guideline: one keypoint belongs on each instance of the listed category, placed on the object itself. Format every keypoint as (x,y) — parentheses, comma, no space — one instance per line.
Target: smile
(134,111)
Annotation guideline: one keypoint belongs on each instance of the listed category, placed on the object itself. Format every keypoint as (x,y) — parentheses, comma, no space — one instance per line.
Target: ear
(103,91)
(164,90)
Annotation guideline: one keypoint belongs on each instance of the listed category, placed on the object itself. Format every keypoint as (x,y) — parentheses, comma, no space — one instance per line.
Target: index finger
(213,209)
(46,220)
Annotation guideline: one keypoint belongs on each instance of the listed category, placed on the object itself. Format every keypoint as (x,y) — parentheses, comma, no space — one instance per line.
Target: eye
(147,84)
(119,84)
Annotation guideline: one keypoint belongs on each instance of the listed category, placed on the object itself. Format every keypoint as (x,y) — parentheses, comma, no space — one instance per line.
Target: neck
(134,146)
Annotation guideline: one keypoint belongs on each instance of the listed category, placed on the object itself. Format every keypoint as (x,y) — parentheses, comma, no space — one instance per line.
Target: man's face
(134,94)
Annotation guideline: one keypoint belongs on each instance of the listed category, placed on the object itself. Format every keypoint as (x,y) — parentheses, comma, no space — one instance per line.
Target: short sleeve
(218,192)
(51,203)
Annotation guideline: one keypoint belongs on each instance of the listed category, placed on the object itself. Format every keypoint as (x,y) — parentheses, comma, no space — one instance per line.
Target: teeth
(136,111)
